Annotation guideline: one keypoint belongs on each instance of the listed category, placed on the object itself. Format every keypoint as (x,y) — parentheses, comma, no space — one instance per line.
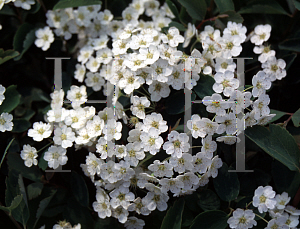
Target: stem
(249,88)
(142,94)
(44,147)
(145,90)
(213,118)
(195,146)
(261,218)
(252,68)
(286,122)
(43,6)
(11,218)
(212,19)
(193,45)
(248,204)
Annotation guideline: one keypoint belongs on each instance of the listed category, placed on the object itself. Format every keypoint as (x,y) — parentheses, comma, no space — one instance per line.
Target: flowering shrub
(149,109)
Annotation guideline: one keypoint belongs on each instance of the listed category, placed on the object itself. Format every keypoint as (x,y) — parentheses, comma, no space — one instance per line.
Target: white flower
(29,155)
(105,17)
(261,33)
(134,153)
(56,156)
(261,83)
(120,213)
(139,206)
(188,34)
(95,81)
(241,100)
(177,144)
(158,90)
(173,38)
(194,126)
(150,55)
(40,131)
(161,169)
(278,223)
(215,165)
(76,118)
(282,200)
(102,205)
(264,51)
(104,55)
(292,210)
(215,104)
(208,146)
(123,171)
(138,106)
(242,219)
(2,90)
(151,140)
(172,184)
(275,69)
(264,198)
(44,38)
(134,223)
(231,46)
(155,198)
(223,64)
(236,30)
(121,197)
(6,122)
(105,148)
(25,4)
(201,162)
(225,82)
(84,54)
(228,139)
(93,164)
(292,220)
(130,16)
(112,130)
(189,179)
(260,106)
(183,163)
(207,126)
(129,82)
(154,120)
(227,123)
(77,95)
(64,136)
(177,78)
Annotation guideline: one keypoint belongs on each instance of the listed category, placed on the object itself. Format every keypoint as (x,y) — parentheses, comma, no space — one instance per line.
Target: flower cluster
(6,123)
(145,59)
(281,214)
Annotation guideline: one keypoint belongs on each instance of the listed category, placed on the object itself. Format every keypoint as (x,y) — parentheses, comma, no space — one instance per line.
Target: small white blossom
(29,155)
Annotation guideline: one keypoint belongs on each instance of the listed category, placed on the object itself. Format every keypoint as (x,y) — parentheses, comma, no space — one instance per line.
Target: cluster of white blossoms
(142,56)
(6,123)
(63,225)
(24,4)
(282,215)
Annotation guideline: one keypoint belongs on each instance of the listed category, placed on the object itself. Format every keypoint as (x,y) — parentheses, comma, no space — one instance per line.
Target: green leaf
(292,44)
(15,162)
(210,220)
(173,217)
(289,59)
(204,86)
(296,118)
(285,180)
(6,10)
(179,26)
(263,7)
(226,184)
(42,163)
(224,5)
(34,190)
(297,4)
(195,8)
(179,97)
(23,39)
(208,200)
(7,55)
(173,8)
(62,4)
(20,125)
(12,99)
(15,203)
(278,115)
(43,205)
(278,143)
(79,189)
